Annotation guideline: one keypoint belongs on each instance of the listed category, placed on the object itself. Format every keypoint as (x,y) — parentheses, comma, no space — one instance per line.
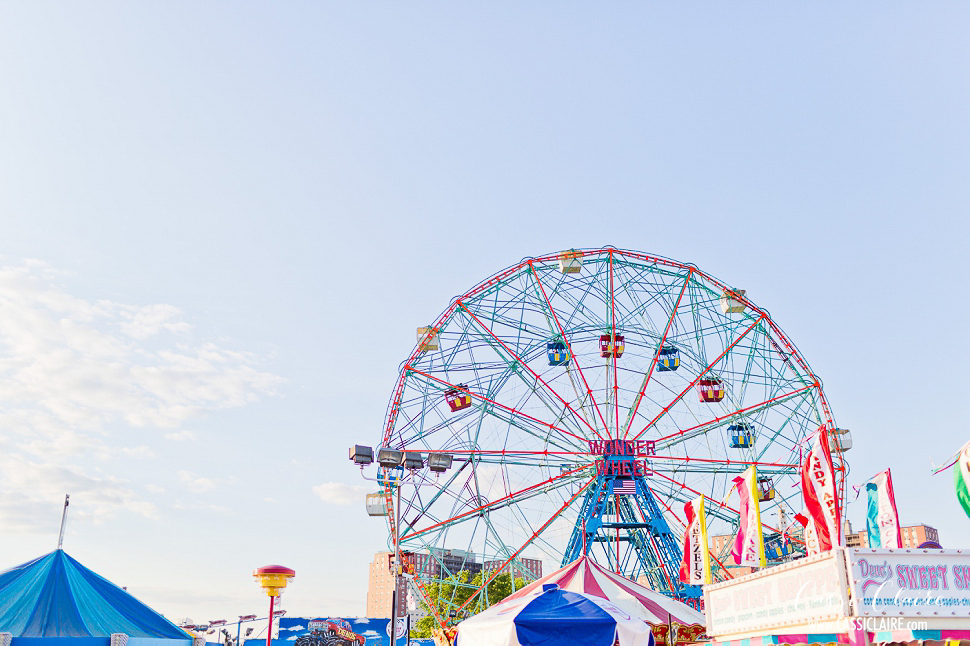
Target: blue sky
(222,223)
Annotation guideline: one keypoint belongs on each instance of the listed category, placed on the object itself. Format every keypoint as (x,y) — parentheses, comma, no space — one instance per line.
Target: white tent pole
(60,537)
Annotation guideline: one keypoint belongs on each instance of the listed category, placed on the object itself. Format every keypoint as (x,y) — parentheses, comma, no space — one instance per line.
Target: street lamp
(273,579)
(243,618)
(390,459)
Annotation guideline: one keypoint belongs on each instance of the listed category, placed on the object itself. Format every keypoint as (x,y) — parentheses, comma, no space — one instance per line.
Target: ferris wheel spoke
(616,385)
(707,426)
(646,378)
(519,361)
(492,402)
(721,504)
(697,379)
(565,339)
(510,499)
(532,538)
(740,463)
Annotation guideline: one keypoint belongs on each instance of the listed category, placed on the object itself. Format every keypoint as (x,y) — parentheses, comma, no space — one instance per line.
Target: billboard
(342,631)
(909,582)
(805,591)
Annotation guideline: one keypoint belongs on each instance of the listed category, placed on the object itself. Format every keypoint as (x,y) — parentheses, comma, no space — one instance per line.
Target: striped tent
(660,611)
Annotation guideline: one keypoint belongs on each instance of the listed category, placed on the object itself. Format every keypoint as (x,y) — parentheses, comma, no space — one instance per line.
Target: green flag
(961,478)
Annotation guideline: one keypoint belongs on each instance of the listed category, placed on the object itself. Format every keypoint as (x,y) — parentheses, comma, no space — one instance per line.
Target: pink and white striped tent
(658,610)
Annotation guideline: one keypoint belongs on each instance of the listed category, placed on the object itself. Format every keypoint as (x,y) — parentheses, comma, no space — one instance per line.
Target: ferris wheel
(572,403)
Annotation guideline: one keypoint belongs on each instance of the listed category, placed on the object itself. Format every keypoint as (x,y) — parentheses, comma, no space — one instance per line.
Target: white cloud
(180,436)
(195,482)
(31,486)
(337,493)
(154,488)
(143,322)
(77,376)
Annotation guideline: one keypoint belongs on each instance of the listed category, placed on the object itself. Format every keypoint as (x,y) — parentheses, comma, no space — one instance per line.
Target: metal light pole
(390,460)
(397,561)
(242,618)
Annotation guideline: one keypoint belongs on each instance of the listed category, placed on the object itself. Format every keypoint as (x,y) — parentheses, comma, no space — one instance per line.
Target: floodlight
(439,462)
(361,455)
(389,457)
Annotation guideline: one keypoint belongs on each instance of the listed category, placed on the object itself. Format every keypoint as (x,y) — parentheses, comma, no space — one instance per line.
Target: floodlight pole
(397,561)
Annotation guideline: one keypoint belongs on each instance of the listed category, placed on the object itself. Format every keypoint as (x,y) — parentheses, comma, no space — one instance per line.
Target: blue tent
(55,601)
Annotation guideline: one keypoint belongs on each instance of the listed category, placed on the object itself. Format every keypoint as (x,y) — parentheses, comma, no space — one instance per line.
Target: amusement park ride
(572,403)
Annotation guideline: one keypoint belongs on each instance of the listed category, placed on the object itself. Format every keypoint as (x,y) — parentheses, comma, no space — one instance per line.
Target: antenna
(60,538)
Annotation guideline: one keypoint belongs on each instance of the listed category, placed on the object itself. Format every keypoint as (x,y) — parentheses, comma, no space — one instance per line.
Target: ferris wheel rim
(390,415)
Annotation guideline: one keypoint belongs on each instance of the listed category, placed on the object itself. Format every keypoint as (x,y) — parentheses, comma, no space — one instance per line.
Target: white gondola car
(376,504)
(427,339)
(570,262)
(840,439)
(730,301)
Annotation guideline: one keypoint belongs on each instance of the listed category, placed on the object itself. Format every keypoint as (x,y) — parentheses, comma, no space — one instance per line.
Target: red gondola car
(611,345)
(710,390)
(458,398)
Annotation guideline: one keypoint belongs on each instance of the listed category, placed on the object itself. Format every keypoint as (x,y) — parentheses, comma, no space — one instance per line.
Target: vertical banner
(961,478)
(749,546)
(882,520)
(811,536)
(818,489)
(696,566)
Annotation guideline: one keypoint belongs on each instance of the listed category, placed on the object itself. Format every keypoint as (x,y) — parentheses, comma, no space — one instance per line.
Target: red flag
(818,490)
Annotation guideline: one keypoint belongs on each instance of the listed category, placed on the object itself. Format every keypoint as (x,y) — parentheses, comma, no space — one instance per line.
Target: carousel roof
(585,575)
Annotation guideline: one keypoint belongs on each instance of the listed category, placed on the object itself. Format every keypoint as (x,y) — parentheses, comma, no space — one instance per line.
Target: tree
(453,592)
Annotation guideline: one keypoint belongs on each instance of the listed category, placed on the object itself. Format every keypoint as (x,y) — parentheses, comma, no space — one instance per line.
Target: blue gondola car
(558,353)
(742,435)
(668,359)
(776,548)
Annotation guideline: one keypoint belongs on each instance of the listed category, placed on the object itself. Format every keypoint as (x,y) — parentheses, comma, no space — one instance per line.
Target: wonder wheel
(573,402)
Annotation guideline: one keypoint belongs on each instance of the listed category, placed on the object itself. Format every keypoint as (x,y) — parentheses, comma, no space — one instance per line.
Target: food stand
(852,596)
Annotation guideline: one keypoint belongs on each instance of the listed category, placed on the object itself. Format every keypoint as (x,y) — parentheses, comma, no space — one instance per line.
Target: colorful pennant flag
(749,546)
(961,478)
(818,490)
(882,520)
(696,566)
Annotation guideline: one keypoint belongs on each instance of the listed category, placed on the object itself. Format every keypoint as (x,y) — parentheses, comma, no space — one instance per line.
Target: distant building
(451,562)
(380,588)
(912,535)
(533,567)
(720,542)
(436,563)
